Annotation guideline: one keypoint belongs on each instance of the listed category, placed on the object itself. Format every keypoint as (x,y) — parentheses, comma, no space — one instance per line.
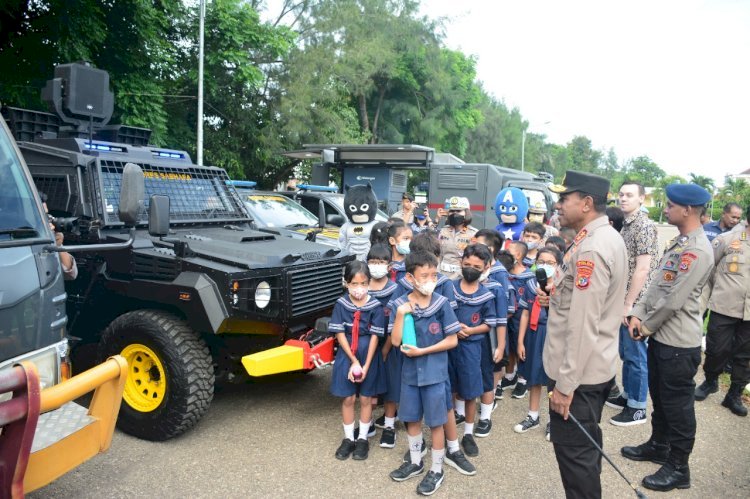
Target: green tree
(582,156)
(705,182)
(644,170)
(497,137)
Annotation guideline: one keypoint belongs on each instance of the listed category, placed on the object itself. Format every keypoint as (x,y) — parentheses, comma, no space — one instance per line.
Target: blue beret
(688,194)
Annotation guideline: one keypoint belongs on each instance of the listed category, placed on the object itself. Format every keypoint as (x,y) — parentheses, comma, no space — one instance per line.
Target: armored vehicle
(198,291)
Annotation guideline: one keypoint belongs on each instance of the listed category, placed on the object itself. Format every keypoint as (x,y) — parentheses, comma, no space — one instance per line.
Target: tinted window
(275,210)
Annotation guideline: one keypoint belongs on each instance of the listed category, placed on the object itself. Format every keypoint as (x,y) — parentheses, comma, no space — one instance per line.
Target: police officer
(585,311)
(729,324)
(455,236)
(670,315)
(537,212)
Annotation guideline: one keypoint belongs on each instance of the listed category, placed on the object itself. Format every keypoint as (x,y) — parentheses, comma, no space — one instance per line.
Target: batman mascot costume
(360,205)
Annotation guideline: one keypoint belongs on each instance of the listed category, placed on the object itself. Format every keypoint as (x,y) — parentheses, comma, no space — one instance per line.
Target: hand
(411,351)
(522,352)
(633,325)
(497,355)
(440,213)
(405,308)
(59,238)
(544,294)
(384,352)
(350,376)
(626,313)
(464,333)
(560,403)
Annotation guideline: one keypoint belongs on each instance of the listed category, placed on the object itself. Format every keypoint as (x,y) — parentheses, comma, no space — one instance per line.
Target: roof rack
(318,188)
(246,184)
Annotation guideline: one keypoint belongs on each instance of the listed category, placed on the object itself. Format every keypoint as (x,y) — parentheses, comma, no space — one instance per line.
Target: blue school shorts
(431,402)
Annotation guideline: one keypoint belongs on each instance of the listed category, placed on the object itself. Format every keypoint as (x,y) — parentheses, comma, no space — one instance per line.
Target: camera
(63,224)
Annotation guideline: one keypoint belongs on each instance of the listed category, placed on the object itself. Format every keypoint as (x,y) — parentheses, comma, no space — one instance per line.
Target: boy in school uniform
(533,235)
(476,314)
(425,390)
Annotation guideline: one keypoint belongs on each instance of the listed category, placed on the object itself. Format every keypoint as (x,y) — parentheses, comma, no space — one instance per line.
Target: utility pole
(523,149)
(199,140)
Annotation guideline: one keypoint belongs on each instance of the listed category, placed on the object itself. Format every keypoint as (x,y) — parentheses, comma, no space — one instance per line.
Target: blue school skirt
(392,371)
(372,386)
(533,369)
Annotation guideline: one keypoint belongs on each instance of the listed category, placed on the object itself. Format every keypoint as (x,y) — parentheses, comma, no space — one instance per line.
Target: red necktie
(536,309)
(393,275)
(355,331)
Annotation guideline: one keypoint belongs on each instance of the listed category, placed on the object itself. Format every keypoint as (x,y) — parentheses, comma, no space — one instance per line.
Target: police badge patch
(584,270)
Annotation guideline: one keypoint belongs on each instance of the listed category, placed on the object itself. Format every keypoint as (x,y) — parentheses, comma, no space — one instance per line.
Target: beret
(587,183)
(688,194)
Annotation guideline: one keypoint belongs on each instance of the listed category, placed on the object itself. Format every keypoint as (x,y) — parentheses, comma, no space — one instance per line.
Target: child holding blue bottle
(357,321)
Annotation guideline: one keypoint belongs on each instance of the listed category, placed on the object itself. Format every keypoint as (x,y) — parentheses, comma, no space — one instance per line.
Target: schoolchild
(476,315)
(428,242)
(378,261)
(357,321)
(399,237)
(379,234)
(533,236)
(425,391)
(531,335)
(519,274)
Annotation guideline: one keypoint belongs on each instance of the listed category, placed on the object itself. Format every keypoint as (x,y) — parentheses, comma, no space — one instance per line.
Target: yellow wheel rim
(147,381)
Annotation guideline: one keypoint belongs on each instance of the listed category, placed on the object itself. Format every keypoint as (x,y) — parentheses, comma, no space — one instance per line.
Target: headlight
(262,295)
(47,362)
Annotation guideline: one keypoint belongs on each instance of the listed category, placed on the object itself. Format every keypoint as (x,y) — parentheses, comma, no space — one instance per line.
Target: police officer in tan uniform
(583,327)
(729,323)
(670,315)
(455,236)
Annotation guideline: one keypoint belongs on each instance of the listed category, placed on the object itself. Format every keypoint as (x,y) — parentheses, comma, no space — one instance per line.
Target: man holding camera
(670,314)
(68,263)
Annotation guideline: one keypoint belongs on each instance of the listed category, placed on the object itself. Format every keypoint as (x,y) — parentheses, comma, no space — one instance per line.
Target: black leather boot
(733,400)
(668,477)
(711,385)
(650,451)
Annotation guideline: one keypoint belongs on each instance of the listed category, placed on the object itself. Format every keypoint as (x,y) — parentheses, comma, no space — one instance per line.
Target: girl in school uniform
(531,335)
(357,321)
(399,238)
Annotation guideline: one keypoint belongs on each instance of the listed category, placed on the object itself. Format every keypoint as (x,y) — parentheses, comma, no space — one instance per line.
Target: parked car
(310,196)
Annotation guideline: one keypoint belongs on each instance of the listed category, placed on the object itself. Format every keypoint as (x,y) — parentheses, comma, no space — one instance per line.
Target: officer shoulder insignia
(584,269)
(682,240)
(743,236)
(736,244)
(716,242)
(686,260)
(580,236)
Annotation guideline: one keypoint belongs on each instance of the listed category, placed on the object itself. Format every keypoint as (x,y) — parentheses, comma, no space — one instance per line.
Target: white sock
(461,407)
(390,422)
(453,446)
(349,431)
(510,375)
(415,448)
(521,380)
(364,429)
(534,415)
(468,428)
(437,460)
(485,411)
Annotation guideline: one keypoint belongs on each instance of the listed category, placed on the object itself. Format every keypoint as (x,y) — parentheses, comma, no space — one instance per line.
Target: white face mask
(403,247)
(485,275)
(532,245)
(548,269)
(378,270)
(358,292)
(426,288)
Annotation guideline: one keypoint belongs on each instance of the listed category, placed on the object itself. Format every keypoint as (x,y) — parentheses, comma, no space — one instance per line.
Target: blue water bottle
(409,336)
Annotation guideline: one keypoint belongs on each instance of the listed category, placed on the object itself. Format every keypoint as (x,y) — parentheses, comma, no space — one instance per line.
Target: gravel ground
(276,438)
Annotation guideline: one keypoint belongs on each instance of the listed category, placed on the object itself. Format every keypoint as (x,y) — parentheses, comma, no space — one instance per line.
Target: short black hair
(356,267)
(641,189)
(420,259)
(729,206)
(478,250)
(426,241)
(616,217)
(552,251)
(521,247)
(556,242)
(43,196)
(379,233)
(395,227)
(408,196)
(505,258)
(494,239)
(535,228)
(380,252)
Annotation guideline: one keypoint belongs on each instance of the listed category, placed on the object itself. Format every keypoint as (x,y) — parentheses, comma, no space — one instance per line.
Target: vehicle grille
(314,288)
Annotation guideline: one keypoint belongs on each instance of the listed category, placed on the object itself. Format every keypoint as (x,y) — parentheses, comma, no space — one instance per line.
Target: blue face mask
(548,269)
(403,247)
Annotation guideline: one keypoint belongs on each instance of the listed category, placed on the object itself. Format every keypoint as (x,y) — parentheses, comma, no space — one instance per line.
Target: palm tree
(705,182)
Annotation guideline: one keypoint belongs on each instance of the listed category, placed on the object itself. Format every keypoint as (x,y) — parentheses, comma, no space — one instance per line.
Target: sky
(666,79)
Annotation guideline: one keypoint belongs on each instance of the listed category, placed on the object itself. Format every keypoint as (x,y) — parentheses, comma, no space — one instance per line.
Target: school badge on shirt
(584,269)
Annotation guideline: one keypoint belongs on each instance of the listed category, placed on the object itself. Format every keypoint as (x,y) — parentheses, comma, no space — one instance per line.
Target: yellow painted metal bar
(274,361)
(81,384)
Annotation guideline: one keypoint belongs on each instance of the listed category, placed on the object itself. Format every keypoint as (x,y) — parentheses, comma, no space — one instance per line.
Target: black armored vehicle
(196,294)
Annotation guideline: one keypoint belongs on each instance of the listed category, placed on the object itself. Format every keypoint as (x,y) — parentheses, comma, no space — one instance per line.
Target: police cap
(688,194)
(587,183)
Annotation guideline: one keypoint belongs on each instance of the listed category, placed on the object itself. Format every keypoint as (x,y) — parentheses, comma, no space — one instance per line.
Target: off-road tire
(187,364)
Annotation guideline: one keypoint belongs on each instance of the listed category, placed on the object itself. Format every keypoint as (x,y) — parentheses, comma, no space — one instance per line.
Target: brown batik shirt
(639,233)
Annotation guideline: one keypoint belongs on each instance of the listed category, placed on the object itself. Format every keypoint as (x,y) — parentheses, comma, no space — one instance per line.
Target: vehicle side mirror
(158,215)
(335,219)
(132,194)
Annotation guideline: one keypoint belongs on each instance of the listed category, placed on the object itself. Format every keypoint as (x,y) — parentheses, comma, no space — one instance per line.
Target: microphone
(541,278)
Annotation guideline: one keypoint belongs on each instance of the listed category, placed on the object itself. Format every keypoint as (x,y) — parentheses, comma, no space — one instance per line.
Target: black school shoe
(506,383)
(361,450)
(388,438)
(484,426)
(459,462)
(460,418)
(519,391)
(380,422)
(407,471)
(345,449)
(430,483)
(470,446)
